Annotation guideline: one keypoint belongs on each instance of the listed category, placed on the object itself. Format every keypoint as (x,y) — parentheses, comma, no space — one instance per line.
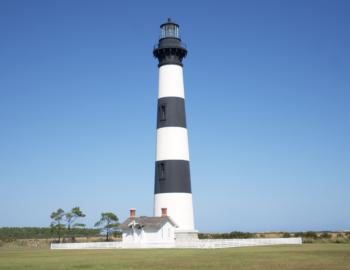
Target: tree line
(230,235)
(66,223)
(12,233)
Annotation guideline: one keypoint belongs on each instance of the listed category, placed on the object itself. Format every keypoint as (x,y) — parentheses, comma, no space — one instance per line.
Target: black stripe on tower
(170,51)
(172,176)
(171,112)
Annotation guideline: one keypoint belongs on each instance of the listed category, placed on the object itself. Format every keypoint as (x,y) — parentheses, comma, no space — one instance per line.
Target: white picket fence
(89,245)
(203,243)
(228,243)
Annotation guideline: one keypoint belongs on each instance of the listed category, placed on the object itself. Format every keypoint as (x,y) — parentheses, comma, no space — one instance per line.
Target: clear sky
(268,106)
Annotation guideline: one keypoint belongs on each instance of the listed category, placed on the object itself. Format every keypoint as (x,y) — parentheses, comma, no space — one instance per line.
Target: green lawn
(307,256)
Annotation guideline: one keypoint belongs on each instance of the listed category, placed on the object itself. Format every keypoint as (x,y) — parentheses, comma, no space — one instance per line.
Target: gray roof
(147,222)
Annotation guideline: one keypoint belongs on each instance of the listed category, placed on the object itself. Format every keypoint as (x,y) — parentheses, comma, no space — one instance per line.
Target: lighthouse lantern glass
(170,30)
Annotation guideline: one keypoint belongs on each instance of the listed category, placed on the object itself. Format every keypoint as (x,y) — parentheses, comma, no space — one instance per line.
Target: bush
(309,234)
(340,241)
(326,235)
(41,232)
(117,234)
(347,234)
(239,235)
(231,235)
(286,235)
(308,240)
(298,234)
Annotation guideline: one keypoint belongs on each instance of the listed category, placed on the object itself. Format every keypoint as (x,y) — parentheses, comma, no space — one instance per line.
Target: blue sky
(267,94)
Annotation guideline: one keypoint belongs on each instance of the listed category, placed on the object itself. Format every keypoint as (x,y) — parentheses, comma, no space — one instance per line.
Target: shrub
(286,235)
(117,234)
(237,234)
(231,235)
(41,233)
(326,235)
(308,240)
(340,241)
(308,234)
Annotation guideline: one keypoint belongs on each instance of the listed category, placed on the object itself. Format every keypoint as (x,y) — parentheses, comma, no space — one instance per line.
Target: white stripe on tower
(171,83)
(172,172)
(172,143)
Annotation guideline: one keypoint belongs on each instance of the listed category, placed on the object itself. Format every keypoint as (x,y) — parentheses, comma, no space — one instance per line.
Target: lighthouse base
(179,208)
(186,236)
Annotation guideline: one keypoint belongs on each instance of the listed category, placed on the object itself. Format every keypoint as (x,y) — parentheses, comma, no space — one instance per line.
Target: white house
(148,230)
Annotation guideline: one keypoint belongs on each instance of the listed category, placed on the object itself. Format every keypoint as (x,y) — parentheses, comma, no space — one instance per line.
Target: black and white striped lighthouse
(172,188)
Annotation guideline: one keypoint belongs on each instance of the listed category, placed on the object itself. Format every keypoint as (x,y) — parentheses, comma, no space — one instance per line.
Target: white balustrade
(202,243)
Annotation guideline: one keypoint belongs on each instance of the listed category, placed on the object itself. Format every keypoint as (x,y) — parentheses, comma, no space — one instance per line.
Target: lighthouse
(172,189)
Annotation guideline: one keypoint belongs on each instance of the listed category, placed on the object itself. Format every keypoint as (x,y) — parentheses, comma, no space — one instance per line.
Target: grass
(307,256)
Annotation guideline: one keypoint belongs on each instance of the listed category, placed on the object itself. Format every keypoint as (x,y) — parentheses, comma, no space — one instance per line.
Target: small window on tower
(162,112)
(161,171)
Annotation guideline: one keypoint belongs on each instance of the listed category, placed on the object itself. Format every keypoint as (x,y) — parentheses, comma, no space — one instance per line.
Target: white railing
(228,243)
(89,245)
(203,243)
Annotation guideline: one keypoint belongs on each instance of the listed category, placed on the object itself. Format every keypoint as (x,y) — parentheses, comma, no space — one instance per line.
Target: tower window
(162,112)
(170,29)
(161,171)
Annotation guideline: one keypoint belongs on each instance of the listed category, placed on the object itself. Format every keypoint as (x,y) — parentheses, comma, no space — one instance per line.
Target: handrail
(182,45)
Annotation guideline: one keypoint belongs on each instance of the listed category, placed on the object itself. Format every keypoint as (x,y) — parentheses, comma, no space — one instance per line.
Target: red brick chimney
(164,212)
(132,213)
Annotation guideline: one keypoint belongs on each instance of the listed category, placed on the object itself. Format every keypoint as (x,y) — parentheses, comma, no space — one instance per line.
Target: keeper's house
(144,230)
